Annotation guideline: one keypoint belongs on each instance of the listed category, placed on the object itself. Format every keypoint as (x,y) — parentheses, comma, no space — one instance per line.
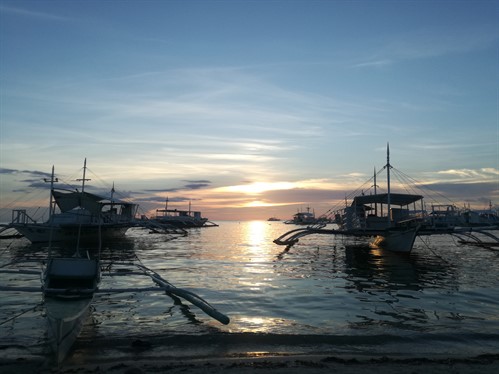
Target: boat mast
(81,203)
(388,167)
(375,193)
(83,179)
(51,201)
(51,207)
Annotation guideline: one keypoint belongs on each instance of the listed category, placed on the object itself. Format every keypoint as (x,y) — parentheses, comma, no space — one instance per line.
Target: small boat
(274,219)
(303,218)
(82,216)
(68,288)
(71,283)
(181,218)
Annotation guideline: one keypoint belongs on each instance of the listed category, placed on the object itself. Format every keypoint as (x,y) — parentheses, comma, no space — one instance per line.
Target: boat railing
(19,216)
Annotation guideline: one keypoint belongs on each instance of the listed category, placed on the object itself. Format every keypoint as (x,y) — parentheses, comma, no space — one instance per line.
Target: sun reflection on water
(255,233)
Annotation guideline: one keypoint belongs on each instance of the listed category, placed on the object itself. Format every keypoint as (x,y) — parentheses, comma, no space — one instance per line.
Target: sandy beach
(281,364)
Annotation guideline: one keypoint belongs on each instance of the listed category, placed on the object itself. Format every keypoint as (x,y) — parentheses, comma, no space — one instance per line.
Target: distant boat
(82,215)
(479,218)
(273,219)
(447,216)
(182,218)
(305,218)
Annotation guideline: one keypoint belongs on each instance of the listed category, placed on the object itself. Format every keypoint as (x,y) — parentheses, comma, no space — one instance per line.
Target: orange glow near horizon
(258,187)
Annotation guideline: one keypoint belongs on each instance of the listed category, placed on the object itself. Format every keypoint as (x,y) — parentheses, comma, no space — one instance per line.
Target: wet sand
(281,364)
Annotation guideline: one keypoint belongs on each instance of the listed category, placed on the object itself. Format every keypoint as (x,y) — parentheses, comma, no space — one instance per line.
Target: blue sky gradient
(250,109)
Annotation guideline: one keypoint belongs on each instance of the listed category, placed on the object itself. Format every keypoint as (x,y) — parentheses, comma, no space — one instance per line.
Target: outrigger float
(391,221)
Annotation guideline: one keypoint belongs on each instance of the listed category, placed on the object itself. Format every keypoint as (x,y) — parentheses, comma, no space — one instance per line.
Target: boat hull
(65,318)
(43,233)
(396,241)
(183,222)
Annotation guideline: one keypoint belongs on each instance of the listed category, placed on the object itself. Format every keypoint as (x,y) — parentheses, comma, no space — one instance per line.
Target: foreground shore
(303,364)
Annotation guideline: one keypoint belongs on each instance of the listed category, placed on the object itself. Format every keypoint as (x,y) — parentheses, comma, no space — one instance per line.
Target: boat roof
(395,199)
(70,200)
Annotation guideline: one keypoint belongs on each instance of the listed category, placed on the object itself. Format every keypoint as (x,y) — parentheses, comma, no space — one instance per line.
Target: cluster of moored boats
(394,220)
(69,283)
(389,220)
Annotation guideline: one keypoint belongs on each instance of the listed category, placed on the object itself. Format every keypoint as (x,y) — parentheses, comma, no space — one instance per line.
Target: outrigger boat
(305,218)
(68,288)
(67,305)
(181,218)
(388,220)
(69,284)
(82,215)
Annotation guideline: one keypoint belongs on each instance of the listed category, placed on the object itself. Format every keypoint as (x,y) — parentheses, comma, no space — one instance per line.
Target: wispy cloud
(428,43)
(472,175)
(32,14)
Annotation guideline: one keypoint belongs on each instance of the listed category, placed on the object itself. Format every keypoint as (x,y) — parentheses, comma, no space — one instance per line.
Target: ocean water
(324,295)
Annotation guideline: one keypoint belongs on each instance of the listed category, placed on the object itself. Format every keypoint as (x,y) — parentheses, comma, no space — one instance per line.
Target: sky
(248,109)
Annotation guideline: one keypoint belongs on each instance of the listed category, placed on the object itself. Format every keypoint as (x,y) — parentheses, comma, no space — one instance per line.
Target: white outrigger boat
(183,219)
(388,220)
(81,216)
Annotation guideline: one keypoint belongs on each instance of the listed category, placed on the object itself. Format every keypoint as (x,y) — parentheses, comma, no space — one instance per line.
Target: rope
(20,314)
(432,251)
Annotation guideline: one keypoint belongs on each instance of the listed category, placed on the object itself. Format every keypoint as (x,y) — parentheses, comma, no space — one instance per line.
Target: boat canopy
(67,201)
(395,199)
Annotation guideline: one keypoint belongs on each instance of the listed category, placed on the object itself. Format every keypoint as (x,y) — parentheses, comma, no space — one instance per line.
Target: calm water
(324,295)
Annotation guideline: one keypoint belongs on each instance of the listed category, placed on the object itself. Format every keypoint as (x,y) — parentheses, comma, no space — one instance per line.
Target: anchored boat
(181,218)
(68,289)
(81,215)
(387,219)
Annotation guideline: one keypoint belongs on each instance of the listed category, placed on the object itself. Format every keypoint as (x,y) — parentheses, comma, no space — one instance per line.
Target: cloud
(429,43)
(198,181)
(17,171)
(8,171)
(32,14)
(196,186)
(377,63)
(472,175)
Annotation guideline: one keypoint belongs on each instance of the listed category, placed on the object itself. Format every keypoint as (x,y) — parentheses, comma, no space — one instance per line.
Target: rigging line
(107,186)
(21,313)
(425,187)
(432,251)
